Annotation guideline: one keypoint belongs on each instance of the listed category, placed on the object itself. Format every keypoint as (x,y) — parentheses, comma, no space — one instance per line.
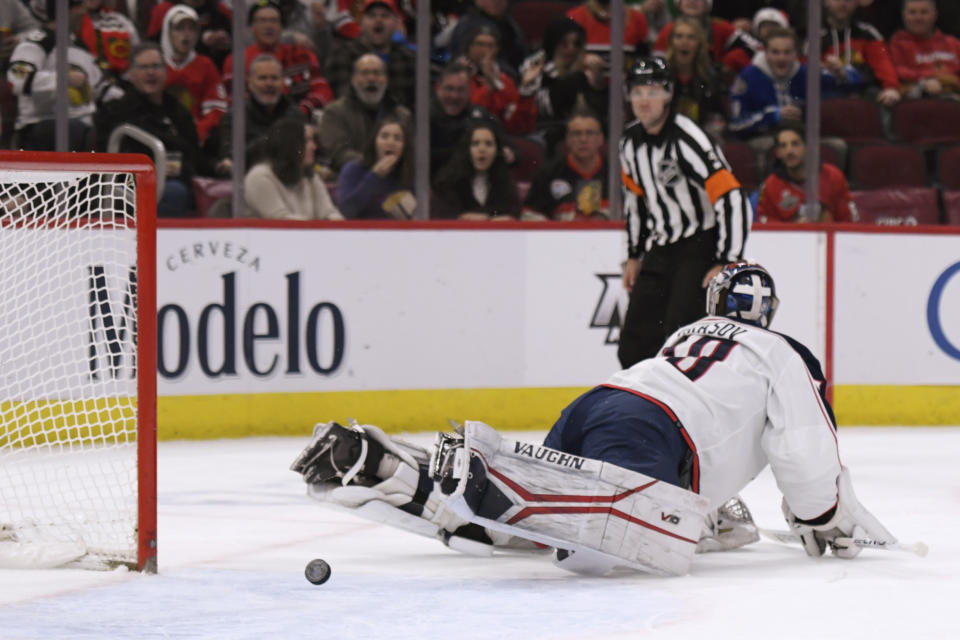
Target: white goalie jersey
(33,76)
(746,397)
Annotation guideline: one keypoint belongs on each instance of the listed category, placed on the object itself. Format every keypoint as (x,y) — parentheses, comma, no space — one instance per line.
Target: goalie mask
(744,291)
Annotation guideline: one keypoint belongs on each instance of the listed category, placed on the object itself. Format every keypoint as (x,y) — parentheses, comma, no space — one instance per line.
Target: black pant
(41,136)
(666,295)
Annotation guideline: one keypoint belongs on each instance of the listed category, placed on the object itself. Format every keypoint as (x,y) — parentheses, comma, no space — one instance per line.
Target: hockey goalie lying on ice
(641,471)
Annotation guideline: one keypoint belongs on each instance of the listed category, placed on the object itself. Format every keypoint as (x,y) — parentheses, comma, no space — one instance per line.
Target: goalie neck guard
(744,291)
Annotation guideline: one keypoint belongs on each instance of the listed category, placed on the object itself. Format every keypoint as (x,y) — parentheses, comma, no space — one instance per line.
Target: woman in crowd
(379,185)
(285,185)
(698,92)
(476,184)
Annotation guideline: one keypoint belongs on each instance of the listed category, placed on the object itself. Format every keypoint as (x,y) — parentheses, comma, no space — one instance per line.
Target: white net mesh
(68,428)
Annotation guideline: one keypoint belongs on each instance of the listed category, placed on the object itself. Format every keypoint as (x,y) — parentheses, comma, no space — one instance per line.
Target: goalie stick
(789,537)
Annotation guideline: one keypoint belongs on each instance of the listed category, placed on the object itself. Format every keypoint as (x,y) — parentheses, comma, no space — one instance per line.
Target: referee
(686,214)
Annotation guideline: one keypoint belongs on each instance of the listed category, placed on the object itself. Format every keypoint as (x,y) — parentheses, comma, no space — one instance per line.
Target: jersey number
(700,356)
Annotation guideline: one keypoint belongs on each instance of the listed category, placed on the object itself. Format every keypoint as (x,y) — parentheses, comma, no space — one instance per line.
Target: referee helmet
(650,70)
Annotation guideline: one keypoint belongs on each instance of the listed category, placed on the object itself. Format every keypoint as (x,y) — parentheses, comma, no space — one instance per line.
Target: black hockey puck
(317,571)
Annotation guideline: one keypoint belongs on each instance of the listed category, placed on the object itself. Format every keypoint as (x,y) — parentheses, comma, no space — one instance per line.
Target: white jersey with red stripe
(746,397)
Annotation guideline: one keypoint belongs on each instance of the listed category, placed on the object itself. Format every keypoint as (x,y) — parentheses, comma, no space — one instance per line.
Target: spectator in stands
(33,78)
(730,47)
(450,111)
(109,36)
(476,184)
(378,185)
(767,19)
(378,23)
(772,89)
(657,13)
(493,89)
(216,25)
(699,92)
(496,13)
(265,104)
(285,186)
(574,184)
(302,78)
(845,41)
(926,60)
(15,22)
(571,76)
(192,77)
(783,196)
(348,122)
(884,15)
(741,13)
(594,17)
(306,25)
(146,105)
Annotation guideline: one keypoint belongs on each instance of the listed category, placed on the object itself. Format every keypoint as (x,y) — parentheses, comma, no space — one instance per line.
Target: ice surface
(236,531)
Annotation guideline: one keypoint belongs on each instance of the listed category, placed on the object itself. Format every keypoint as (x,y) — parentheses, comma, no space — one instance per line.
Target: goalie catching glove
(849,520)
(384,479)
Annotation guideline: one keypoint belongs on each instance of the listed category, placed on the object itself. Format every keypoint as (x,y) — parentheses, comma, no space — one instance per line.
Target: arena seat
(886,165)
(743,162)
(523,188)
(951,207)
(927,121)
(529,158)
(212,197)
(907,207)
(856,120)
(948,167)
(533,16)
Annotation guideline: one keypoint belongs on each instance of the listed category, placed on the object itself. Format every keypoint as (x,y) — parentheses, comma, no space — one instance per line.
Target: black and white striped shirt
(677,183)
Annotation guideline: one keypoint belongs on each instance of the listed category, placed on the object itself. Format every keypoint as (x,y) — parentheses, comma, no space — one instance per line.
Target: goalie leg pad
(573,503)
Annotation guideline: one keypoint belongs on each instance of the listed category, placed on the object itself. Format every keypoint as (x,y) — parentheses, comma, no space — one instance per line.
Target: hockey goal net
(77,360)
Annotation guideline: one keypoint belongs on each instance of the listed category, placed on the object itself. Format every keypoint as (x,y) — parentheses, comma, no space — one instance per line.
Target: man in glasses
(686,214)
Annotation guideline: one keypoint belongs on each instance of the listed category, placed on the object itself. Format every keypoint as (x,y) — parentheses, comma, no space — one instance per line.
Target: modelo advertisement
(244,311)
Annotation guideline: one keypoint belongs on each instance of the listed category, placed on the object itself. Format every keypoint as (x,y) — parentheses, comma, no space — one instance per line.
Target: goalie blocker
(479,491)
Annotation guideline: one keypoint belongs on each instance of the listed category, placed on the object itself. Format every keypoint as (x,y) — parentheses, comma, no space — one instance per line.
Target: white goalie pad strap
(575,503)
(368,504)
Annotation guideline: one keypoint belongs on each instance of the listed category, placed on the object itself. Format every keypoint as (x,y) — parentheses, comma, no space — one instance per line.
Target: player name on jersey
(727,330)
(548,455)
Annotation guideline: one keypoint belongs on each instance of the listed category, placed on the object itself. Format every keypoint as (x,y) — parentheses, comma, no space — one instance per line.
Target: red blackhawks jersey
(302,79)
(518,113)
(109,36)
(194,80)
(635,30)
(564,192)
(862,46)
(196,84)
(917,58)
(781,198)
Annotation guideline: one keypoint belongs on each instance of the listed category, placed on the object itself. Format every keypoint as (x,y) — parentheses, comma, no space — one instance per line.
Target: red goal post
(78,360)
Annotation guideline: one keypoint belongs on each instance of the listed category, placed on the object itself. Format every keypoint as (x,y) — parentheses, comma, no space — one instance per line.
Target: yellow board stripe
(265,414)
(233,416)
(51,422)
(897,405)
